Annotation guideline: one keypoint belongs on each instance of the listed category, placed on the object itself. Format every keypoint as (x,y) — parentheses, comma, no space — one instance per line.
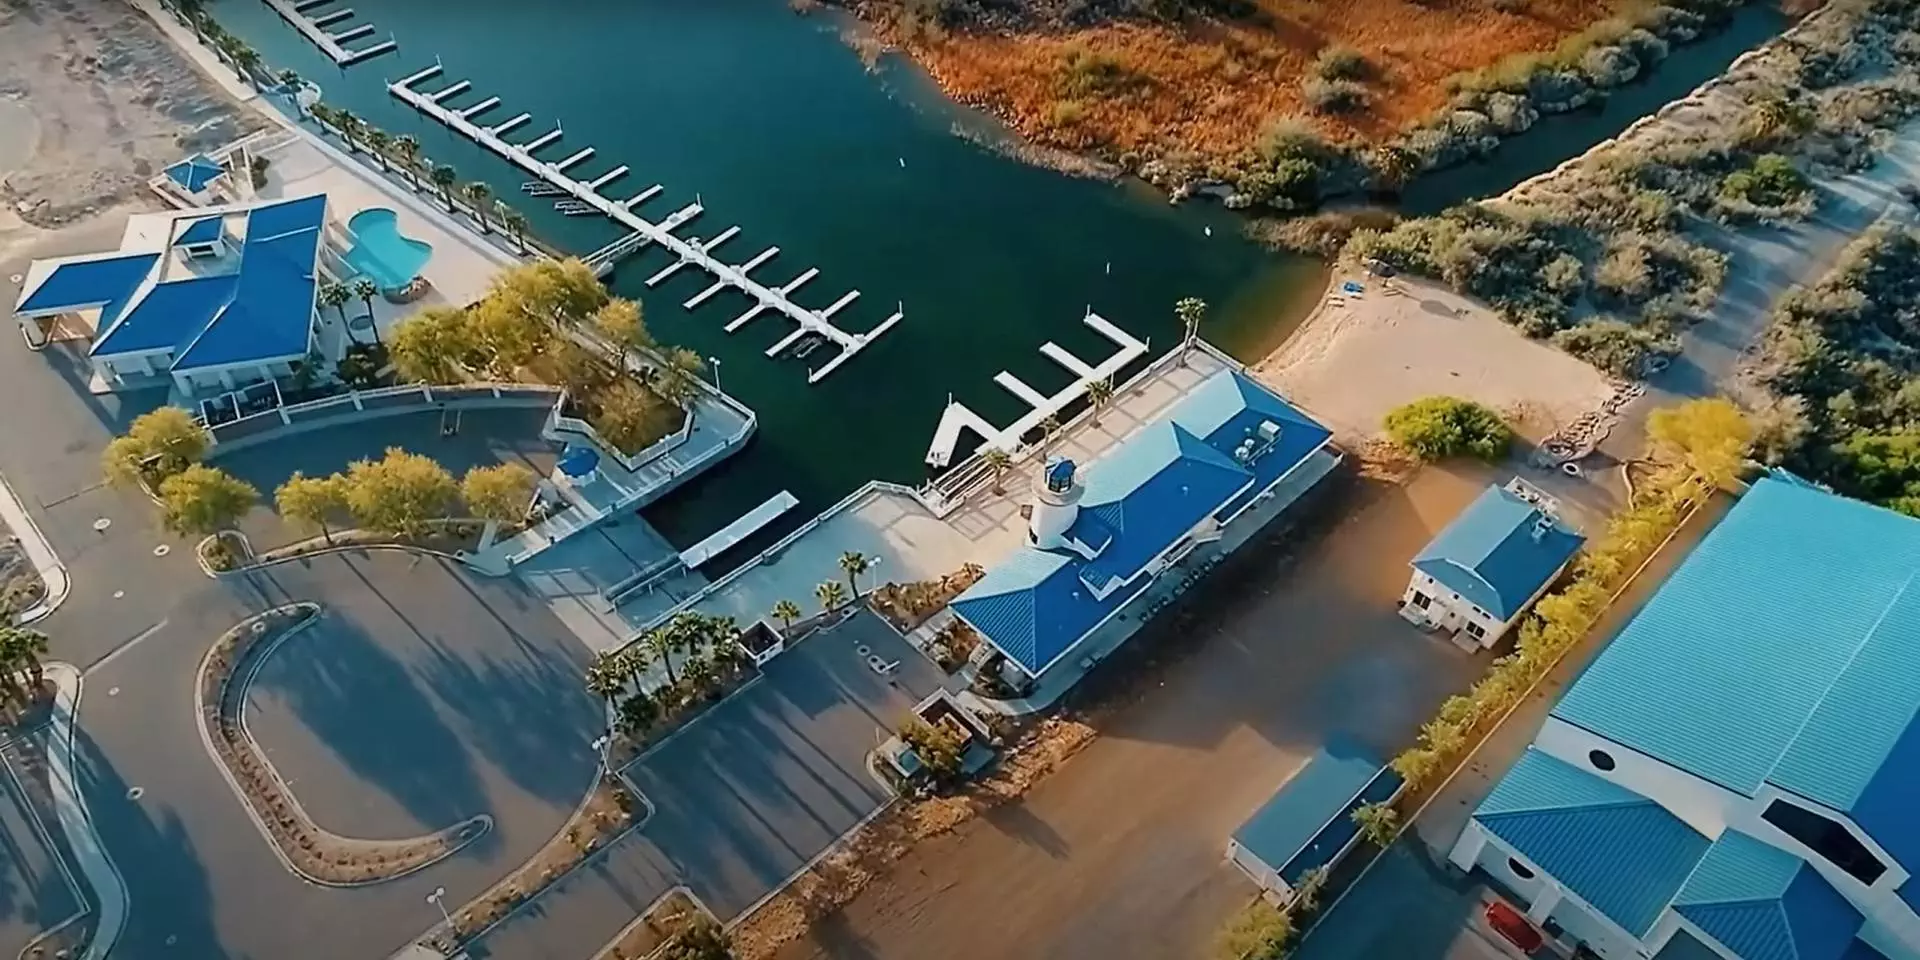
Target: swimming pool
(381,253)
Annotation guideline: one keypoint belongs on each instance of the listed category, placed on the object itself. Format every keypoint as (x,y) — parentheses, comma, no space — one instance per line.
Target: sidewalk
(75,824)
(14,515)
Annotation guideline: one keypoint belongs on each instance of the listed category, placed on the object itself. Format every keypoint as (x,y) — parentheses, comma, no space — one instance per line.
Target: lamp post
(716,372)
(438,898)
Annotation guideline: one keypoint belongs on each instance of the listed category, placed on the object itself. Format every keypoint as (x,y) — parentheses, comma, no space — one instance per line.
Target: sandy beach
(1360,356)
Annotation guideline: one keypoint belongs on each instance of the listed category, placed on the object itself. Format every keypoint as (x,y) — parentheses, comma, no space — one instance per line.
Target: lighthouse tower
(1056,504)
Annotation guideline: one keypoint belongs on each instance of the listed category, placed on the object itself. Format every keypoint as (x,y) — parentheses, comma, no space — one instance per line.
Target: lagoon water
(771,120)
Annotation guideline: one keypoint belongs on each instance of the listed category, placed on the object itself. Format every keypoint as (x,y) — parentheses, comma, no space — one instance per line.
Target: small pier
(313,18)
(958,417)
(642,197)
(644,232)
(481,107)
(739,530)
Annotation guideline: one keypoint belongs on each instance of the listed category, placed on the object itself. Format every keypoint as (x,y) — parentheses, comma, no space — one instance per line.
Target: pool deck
(461,264)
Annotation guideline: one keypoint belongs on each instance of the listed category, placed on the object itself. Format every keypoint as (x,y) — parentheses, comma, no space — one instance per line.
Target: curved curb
(465,830)
(75,822)
(463,559)
(52,573)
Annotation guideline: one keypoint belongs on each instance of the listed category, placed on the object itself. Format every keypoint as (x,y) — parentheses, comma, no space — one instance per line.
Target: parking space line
(123,648)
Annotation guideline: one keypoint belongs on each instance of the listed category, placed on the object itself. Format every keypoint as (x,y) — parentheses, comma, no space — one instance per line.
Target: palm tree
(998,461)
(365,289)
(604,677)
(830,595)
(406,149)
(637,714)
(1098,393)
(786,611)
(323,114)
(1190,310)
(660,645)
(349,126)
(481,196)
(378,143)
(245,61)
(336,295)
(290,79)
(854,564)
(444,177)
(515,222)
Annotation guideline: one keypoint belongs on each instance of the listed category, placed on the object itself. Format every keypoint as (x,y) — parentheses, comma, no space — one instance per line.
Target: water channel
(775,125)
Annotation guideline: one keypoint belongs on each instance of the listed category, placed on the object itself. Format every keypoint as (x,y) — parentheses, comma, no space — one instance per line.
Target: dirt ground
(1120,852)
(1210,86)
(1360,357)
(93,101)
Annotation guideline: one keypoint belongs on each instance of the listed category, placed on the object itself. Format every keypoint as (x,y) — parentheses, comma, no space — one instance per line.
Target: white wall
(1544,897)
(1451,611)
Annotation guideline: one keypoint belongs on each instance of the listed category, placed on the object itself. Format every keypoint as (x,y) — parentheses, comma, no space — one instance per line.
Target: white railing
(233,433)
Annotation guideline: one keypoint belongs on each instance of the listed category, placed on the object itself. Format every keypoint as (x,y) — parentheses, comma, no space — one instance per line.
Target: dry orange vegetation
(1209,85)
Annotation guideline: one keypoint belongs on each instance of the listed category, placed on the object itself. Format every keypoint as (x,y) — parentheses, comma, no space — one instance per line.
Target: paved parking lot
(744,796)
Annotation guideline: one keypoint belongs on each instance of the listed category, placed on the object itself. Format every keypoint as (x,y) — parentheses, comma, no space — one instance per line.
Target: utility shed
(1308,823)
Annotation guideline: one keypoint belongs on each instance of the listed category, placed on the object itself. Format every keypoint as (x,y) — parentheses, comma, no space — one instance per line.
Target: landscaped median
(309,851)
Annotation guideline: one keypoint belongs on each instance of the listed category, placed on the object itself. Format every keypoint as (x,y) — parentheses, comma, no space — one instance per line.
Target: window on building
(1826,838)
(1421,600)
(1519,869)
(1601,760)
(1476,631)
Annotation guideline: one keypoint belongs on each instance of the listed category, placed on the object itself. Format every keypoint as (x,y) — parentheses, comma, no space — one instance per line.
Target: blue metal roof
(195,172)
(104,282)
(204,230)
(1310,819)
(1620,852)
(1498,552)
(1140,498)
(1763,903)
(1150,490)
(1782,650)
(262,310)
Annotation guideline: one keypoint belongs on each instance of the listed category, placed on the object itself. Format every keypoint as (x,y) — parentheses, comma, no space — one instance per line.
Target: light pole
(716,372)
(438,898)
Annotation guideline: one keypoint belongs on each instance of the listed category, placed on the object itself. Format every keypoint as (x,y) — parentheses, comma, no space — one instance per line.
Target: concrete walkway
(39,552)
(71,808)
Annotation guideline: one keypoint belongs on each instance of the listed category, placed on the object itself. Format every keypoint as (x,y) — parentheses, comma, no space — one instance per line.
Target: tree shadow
(169,895)
(365,706)
(1018,822)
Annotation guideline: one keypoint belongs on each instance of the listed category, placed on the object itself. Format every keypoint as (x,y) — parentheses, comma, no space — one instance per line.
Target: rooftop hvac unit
(1244,452)
(1542,525)
(1269,431)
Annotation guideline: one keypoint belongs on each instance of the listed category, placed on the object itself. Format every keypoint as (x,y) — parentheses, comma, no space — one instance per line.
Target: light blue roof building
(208,297)
(1101,534)
(1489,564)
(1737,775)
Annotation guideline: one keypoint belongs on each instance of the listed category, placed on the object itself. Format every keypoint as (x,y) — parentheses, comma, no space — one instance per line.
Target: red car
(1513,925)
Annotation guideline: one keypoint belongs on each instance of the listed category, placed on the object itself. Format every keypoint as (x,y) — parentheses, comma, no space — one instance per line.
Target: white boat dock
(731,536)
(958,417)
(453,91)
(642,197)
(331,43)
(481,107)
(620,211)
(500,128)
(608,177)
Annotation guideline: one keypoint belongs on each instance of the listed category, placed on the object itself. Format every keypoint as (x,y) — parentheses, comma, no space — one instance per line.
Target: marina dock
(314,26)
(644,232)
(958,418)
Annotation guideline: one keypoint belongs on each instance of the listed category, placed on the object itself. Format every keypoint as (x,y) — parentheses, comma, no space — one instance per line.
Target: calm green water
(774,124)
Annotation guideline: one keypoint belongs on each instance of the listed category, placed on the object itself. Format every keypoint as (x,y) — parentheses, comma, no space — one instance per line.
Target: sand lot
(1360,357)
(101,101)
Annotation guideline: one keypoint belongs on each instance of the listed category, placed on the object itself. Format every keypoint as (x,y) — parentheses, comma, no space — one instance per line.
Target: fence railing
(366,404)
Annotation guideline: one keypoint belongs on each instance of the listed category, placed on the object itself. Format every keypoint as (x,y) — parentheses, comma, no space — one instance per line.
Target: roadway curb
(53,572)
(76,823)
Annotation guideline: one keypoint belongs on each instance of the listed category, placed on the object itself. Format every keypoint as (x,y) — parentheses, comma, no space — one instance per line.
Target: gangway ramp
(750,523)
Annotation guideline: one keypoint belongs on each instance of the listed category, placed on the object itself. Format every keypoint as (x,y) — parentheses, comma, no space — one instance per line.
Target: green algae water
(773,123)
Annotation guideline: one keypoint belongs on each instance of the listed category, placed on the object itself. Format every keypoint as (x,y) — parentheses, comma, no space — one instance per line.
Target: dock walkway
(333,43)
(646,232)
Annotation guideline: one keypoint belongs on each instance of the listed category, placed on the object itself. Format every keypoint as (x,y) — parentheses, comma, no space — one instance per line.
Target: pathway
(109,890)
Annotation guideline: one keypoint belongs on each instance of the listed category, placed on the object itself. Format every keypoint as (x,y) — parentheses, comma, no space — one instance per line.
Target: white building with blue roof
(1099,535)
(1477,576)
(1738,774)
(208,298)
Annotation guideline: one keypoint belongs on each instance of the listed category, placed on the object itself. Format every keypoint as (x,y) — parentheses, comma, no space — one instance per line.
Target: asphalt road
(743,797)
(1120,853)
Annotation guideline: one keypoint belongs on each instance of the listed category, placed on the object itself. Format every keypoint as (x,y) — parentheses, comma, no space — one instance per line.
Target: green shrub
(1085,74)
(1616,348)
(1341,63)
(1334,96)
(1436,428)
